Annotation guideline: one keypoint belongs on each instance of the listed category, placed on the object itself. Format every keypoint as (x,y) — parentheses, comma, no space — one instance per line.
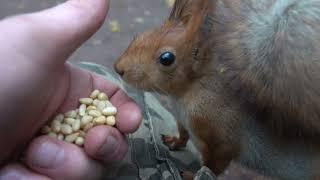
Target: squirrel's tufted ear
(193,15)
(190,11)
(181,11)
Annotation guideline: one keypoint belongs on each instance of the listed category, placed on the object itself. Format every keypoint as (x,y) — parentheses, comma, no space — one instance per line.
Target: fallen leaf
(114,26)
(222,70)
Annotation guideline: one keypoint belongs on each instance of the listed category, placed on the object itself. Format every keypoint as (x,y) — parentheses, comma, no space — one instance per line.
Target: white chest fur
(182,116)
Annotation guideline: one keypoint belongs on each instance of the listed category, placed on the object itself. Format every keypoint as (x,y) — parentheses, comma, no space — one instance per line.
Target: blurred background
(126,18)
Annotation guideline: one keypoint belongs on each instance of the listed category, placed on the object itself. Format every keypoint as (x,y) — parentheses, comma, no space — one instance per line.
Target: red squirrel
(245,76)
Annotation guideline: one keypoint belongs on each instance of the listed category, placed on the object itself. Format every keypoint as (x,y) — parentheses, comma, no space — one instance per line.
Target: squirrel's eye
(167,58)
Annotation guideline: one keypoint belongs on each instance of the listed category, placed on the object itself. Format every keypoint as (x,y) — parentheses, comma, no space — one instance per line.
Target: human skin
(37,83)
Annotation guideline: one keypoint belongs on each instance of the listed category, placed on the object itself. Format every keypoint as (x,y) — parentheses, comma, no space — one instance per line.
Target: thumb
(50,36)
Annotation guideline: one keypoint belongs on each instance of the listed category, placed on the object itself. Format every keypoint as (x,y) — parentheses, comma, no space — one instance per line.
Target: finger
(19,172)
(60,160)
(129,115)
(81,84)
(106,144)
(55,33)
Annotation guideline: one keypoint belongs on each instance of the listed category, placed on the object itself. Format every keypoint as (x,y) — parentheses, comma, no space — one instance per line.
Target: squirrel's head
(168,58)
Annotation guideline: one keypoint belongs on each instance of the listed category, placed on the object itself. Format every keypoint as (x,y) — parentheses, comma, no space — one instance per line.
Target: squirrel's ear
(190,12)
(181,11)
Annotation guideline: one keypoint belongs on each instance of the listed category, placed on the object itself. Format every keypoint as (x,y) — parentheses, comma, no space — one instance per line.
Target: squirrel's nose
(119,70)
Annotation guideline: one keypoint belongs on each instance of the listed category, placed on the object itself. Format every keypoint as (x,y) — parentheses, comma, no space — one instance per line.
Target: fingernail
(49,155)
(108,147)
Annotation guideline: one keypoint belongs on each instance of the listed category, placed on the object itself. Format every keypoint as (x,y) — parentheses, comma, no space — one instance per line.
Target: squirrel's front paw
(172,142)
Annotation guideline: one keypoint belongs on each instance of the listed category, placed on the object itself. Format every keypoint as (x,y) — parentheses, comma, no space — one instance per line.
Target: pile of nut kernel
(73,125)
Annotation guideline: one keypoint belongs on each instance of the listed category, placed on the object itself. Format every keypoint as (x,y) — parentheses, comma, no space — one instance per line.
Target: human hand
(36,83)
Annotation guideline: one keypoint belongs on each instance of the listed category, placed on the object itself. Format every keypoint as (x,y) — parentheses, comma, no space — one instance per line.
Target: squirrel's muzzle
(119,70)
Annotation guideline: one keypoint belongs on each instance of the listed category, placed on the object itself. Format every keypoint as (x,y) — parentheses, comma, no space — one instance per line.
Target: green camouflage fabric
(148,158)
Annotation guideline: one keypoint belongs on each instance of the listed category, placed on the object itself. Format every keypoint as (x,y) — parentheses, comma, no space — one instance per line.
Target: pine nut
(101,105)
(85,120)
(71,138)
(111,120)
(94,113)
(89,108)
(100,120)
(102,96)
(82,109)
(94,94)
(59,117)
(56,126)
(95,102)
(87,101)
(79,141)
(108,104)
(73,125)
(76,125)
(109,111)
(71,114)
(66,129)
(69,121)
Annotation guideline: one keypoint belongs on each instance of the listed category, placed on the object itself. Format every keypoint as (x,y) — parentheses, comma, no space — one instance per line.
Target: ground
(133,16)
